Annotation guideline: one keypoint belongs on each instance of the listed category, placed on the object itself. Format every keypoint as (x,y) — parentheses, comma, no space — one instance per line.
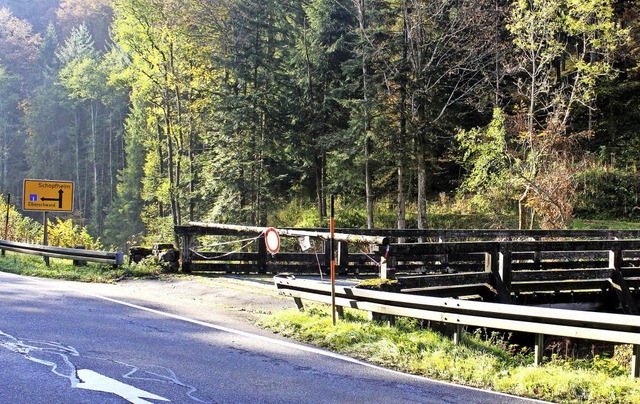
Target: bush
(21,228)
(64,233)
(297,213)
(607,194)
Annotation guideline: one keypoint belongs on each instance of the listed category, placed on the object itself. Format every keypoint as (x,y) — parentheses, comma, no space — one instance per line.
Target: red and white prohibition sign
(272,240)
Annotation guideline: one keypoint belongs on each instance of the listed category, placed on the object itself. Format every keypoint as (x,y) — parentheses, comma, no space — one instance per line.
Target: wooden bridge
(507,266)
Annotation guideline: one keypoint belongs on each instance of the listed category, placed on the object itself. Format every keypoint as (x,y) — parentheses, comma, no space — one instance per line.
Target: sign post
(6,222)
(45,240)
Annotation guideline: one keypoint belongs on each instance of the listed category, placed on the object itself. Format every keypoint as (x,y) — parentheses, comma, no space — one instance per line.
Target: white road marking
(95,381)
(51,354)
(56,357)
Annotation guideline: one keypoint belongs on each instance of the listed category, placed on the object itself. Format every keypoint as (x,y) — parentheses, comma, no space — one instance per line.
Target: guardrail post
(79,263)
(390,319)
(635,361)
(457,334)
(299,304)
(539,349)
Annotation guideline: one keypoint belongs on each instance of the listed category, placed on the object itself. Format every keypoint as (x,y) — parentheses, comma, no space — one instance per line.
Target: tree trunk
(402,115)
(521,209)
(95,208)
(170,165)
(365,114)
(422,184)
(318,158)
(319,162)
(402,212)
(368,185)
(80,201)
(193,174)
(160,165)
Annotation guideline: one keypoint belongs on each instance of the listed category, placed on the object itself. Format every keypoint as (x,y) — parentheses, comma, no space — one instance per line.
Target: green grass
(584,224)
(487,362)
(31,265)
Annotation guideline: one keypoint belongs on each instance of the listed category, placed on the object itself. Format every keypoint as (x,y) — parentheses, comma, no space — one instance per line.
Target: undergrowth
(482,360)
(30,265)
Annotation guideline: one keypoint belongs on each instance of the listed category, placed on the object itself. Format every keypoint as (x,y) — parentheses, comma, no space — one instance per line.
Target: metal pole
(6,222)
(333,264)
(46,234)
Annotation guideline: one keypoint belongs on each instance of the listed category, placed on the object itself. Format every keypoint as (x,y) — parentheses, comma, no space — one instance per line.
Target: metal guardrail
(617,328)
(105,257)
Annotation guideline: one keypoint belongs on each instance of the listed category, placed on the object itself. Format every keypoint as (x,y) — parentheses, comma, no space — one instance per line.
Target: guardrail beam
(105,257)
(539,321)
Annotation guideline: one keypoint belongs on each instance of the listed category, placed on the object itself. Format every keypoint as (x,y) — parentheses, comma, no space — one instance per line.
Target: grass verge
(484,361)
(31,265)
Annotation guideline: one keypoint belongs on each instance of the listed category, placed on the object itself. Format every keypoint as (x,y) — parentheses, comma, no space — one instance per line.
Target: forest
(235,111)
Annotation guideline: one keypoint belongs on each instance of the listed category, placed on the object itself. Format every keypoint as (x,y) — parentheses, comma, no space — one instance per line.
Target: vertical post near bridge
(185,252)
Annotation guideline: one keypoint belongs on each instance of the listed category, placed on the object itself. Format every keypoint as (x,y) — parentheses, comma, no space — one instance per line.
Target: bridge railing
(356,257)
(353,253)
(617,328)
(503,268)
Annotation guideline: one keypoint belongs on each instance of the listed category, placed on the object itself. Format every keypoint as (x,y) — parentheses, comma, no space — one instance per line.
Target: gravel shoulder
(226,300)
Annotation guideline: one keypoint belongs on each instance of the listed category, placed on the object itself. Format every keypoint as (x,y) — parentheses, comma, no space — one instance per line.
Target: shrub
(64,233)
(21,228)
(607,194)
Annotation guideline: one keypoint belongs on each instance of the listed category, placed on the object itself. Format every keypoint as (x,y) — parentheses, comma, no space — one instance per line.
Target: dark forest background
(254,111)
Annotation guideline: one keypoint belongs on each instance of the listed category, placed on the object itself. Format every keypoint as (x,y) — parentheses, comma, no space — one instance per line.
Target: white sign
(305,243)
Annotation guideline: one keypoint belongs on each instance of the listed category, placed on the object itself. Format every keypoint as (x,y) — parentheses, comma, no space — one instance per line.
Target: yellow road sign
(56,196)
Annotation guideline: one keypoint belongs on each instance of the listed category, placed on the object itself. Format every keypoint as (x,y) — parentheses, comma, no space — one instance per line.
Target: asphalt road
(65,342)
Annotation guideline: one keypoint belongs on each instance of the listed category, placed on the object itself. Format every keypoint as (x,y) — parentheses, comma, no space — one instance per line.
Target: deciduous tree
(563,48)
